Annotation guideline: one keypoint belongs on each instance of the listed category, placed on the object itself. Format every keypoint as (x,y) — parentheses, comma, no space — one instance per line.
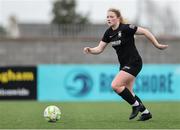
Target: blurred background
(50,32)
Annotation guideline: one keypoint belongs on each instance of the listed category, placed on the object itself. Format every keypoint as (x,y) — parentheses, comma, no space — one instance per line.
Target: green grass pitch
(91,115)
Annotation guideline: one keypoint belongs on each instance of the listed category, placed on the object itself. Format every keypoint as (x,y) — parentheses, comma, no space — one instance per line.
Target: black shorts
(133,68)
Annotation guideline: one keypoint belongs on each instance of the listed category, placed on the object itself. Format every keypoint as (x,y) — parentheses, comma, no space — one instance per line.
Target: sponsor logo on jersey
(116,43)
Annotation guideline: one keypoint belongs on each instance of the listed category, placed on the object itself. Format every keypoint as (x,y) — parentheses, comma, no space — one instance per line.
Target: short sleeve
(105,37)
(131,29)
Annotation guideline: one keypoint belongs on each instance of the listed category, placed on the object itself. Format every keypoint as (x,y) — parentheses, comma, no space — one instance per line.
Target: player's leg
(118,84)
(146,115)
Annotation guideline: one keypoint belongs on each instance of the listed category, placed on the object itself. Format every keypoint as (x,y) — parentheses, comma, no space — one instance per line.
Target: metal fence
(61,31)
(74,31)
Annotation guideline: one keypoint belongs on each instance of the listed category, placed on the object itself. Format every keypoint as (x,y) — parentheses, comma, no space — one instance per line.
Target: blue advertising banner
(93,82)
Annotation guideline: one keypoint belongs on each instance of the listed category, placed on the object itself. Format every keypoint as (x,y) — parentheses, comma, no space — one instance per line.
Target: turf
(91,115)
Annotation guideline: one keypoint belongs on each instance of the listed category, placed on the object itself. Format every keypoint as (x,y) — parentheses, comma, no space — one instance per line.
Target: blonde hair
(118,14)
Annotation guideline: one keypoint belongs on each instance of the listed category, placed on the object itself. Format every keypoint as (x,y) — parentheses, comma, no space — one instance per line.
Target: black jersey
(122,40)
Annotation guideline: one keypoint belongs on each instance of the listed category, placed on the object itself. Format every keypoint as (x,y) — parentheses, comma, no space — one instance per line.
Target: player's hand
(87,50)
(162,47)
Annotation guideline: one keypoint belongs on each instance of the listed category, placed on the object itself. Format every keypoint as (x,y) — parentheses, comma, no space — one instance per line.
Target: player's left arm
(151,37)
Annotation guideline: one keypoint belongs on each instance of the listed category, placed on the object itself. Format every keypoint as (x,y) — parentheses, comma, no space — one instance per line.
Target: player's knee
(116,86)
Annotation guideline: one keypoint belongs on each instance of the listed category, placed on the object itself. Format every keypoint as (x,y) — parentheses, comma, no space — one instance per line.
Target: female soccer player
(121,37)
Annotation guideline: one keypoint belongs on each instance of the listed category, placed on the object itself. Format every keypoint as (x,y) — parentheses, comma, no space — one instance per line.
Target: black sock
(127,96)
(139,100)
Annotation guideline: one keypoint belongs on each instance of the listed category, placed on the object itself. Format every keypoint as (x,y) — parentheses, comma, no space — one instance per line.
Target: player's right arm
(95,50)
